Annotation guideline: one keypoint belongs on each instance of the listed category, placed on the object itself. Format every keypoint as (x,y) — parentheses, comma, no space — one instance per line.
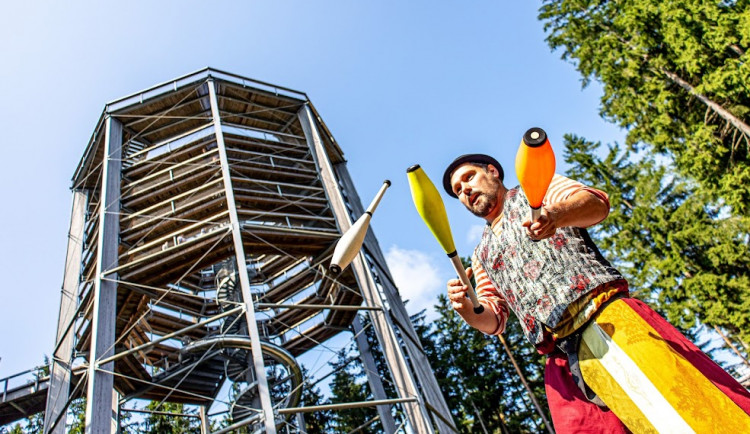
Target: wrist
(554,215)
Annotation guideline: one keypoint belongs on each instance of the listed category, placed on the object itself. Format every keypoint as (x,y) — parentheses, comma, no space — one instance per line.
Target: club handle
(459,267)
(535,214)
(378,196)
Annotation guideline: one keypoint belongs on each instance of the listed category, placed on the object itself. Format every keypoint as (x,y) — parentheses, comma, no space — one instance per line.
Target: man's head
(477,181)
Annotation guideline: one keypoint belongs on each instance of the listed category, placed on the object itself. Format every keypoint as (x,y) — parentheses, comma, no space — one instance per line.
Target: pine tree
(78,412)
(480,384)
(155,423)
(16,429)
(675,74)
(350,385)
(381,365)
(318,422)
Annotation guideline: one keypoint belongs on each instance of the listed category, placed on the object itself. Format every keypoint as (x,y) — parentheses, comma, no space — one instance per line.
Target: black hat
(468,158)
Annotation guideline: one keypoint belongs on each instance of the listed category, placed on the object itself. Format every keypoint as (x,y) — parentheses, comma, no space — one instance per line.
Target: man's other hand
(457,294)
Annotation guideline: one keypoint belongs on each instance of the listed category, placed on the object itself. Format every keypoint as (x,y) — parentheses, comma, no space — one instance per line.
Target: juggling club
(535,167)
(350,243)
(430,206)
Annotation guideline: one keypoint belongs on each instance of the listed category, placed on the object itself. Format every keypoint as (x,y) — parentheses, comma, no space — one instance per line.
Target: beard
(483,205)
(487,200)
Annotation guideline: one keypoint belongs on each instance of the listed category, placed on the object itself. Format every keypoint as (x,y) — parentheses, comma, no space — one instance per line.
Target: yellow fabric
(686,390)
(617,400)
(585,307)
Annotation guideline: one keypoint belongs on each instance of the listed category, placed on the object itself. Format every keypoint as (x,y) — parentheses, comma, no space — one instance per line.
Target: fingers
(544,227)
(542,221)
(457,293)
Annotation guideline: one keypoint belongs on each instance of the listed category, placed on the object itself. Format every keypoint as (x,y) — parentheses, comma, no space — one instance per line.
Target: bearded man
(613,364)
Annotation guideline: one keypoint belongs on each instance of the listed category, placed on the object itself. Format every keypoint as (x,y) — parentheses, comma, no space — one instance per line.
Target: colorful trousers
(650,376)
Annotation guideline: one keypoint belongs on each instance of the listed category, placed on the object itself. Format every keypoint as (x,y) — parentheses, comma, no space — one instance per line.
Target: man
(613,364)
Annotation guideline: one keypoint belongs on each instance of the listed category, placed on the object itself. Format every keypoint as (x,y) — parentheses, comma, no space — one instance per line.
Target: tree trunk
(731,345)
(526,385)
(716,107)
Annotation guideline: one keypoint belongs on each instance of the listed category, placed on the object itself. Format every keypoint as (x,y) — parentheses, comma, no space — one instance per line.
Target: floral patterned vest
(540,279)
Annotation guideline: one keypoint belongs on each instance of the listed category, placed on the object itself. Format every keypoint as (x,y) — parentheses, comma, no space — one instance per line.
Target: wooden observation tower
(205,211)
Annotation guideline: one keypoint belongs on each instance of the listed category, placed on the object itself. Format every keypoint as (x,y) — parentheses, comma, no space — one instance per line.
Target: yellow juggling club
(430,206)
(535,167)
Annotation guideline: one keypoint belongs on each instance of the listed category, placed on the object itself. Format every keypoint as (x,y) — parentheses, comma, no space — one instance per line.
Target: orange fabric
(585,307)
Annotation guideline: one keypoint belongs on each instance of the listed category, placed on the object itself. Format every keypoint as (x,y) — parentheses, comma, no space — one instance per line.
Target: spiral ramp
(283,374)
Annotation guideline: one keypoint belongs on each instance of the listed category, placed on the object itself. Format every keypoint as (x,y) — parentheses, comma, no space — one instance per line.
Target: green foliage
(164,424)
(478,380)
(678,249)
(349,385)
(479,383)
(32,424)
(318,422)
(78,411)
(16,429)
(675,74)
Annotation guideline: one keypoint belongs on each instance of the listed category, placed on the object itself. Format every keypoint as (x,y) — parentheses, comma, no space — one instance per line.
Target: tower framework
(205,210)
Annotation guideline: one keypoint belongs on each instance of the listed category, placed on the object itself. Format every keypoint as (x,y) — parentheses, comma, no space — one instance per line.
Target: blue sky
(397,83)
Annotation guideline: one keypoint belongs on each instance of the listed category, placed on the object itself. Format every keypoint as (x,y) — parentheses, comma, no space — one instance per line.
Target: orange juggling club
(535,167)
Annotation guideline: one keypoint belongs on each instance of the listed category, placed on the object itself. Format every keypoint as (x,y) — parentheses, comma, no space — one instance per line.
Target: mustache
(481,208)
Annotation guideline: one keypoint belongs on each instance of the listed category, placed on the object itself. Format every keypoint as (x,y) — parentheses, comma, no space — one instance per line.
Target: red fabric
(720,378)
(571,411)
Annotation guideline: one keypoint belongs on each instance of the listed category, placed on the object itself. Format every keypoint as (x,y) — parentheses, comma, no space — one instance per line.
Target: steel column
(402,377)
(100,379)
(239,250)
(378,392)
(205,425)
(59,385)
(432,394)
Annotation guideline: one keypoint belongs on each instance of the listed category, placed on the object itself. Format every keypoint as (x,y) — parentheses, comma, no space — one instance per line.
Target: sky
(398,83)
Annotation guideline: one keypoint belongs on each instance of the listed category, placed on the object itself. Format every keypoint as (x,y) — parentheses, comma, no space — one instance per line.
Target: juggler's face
(478,190)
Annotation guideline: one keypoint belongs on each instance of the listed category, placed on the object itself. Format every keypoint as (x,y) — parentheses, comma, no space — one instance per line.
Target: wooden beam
(239,251)
(100,378)
(60,372)
(433,396)
(402,377)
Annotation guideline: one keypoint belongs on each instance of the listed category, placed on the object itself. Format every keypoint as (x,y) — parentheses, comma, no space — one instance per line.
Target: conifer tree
(350,385)
(675,74)
(155,423)
(78,413)
(480,384)
(318,422)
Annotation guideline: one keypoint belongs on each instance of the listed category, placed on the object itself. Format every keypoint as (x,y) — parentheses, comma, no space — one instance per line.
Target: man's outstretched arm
(582,208)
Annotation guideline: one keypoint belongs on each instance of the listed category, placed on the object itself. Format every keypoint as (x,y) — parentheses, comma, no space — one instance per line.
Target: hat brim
(468,158)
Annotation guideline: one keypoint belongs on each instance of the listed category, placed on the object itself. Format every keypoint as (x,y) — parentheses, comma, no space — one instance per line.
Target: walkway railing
(40,375)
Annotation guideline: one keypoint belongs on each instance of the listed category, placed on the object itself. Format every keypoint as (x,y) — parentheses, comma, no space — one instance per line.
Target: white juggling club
(350,243)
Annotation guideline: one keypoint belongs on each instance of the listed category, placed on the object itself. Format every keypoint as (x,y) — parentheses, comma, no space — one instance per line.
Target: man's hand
(457,294)
(544,227)
(486,322)
(581,210)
